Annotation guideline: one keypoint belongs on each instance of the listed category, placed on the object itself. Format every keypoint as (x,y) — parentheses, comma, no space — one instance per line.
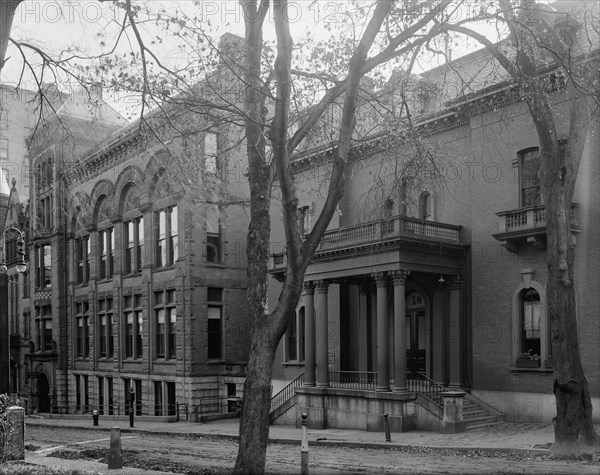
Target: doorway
(43,388)
(416,334)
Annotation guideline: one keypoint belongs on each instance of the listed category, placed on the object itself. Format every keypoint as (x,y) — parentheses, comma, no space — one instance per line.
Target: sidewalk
(506,436)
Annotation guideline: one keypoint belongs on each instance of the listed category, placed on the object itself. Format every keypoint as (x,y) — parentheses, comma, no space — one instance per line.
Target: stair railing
(286,393)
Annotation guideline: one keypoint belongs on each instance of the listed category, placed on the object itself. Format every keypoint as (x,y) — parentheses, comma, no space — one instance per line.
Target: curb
(321,442)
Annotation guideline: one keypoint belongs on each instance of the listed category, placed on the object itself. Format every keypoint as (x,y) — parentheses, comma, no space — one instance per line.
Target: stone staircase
(476,413)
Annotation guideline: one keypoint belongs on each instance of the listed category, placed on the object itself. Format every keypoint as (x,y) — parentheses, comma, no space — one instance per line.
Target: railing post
(304,446)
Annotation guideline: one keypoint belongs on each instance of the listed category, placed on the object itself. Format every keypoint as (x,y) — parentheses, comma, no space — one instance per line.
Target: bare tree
(540,36)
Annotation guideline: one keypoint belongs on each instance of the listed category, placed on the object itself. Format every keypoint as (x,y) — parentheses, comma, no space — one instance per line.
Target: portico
(377,312)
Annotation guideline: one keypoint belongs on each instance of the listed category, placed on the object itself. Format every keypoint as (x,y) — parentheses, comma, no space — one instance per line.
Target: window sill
(541,370)
(293,363)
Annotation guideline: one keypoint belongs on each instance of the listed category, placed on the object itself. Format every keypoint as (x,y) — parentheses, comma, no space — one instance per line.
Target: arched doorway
(43,388)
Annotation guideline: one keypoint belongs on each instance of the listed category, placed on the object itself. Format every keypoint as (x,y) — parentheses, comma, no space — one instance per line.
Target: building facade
(136,261)
(420,286)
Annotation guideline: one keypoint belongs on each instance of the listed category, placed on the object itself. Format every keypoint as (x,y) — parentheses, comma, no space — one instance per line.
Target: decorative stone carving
(399,277)
(456,282)
(322,286)
(381,278)
(309,287)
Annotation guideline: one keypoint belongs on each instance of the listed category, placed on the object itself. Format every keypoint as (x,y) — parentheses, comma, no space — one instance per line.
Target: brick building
(137,263)
(422,285)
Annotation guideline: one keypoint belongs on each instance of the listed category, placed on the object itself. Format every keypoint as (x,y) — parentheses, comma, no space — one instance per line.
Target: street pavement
(500,437)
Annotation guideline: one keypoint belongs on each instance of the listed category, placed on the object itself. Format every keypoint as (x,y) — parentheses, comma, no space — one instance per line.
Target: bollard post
(95,417)
(386,426)
(115,458)
(304,446)
(131,400)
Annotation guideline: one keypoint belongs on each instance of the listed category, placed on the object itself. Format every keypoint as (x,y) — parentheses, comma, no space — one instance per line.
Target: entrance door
(43,388)
(416,331)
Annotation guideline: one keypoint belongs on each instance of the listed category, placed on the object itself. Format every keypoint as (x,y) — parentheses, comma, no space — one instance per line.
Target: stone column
(455,337)
(383,365)
(438,353)
(322,328)
(309,334)
(399,279)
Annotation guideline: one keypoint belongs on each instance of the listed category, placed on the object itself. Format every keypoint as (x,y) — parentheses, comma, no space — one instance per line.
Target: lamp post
(4,331)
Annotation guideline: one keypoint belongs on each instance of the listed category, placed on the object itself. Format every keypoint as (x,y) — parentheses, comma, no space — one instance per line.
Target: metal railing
(359,380)
(427,387)
(286,393)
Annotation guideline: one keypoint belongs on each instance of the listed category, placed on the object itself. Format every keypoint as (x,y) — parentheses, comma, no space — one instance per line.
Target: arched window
(530,317)
(425,206)
(530,328)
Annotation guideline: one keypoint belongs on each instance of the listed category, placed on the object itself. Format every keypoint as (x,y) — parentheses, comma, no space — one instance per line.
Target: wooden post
(304,446)
(115,458)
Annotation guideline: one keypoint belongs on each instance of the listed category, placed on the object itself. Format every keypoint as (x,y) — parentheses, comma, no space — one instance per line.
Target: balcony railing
(396,226)
(531,217)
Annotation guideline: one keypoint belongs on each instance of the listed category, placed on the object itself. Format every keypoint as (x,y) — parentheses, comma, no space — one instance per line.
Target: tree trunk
(573,429)
(254,422)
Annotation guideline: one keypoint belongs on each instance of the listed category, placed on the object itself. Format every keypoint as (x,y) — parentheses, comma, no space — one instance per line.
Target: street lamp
(4,332)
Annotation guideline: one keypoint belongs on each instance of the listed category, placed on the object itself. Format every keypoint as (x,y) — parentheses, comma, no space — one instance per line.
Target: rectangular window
(82,258)
(77,393)
(132,313)
(304,225)
(43,267)
(106,246)
(529,164)
(109,394)
(292,340)
(173,238)
(134,245)
(105,324)
(86,392)
(167,242)
(214,323)
(100,395)
(213,235)
(82,318)
(44,328)
(210,153)
(158,398)
(4,118)
(166,324)
(160,333)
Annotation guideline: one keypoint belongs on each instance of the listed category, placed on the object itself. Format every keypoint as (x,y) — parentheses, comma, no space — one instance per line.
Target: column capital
(322,286)
(309,287)
(456,282)
(381,278)
(399,277)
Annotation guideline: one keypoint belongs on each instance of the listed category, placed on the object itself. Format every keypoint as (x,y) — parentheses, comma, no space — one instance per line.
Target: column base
(310,384)
(401,389)
(382,389)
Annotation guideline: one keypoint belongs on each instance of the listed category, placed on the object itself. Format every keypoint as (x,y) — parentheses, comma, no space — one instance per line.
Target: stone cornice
(99,161)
